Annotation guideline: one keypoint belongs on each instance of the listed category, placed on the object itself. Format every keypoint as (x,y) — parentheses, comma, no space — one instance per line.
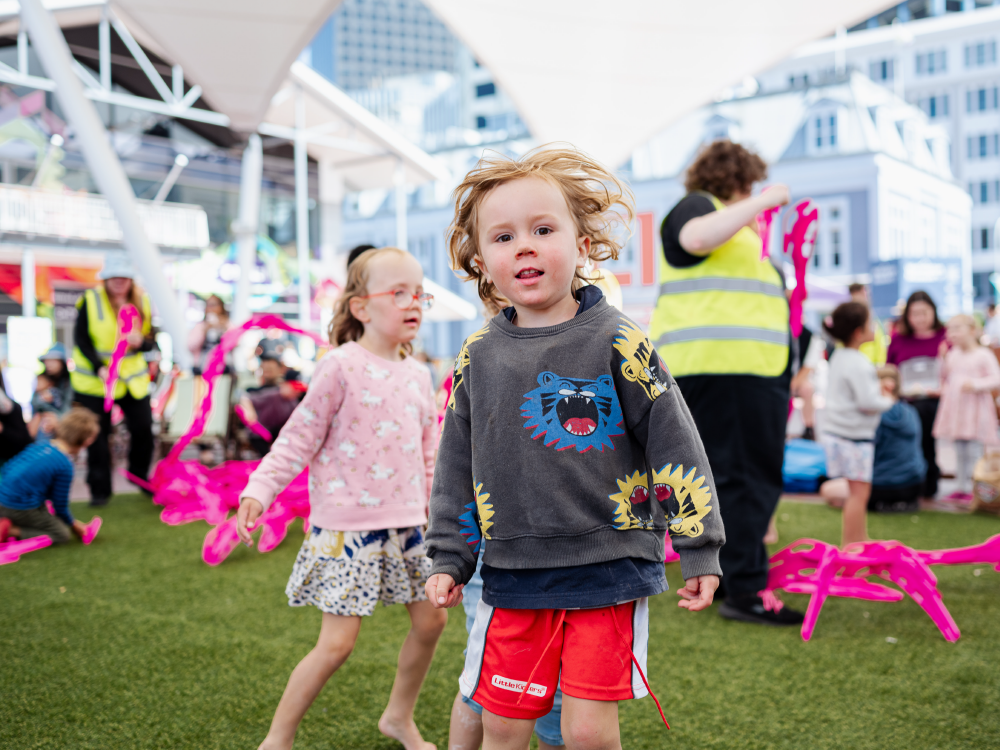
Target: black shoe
(98,502)
(751,609)
(808,434)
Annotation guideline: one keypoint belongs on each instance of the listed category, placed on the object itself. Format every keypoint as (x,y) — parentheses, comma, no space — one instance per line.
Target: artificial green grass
(135,643)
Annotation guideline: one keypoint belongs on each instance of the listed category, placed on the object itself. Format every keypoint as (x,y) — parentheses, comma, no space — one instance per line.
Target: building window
(981,100)
(819,132)
(984,238)
(980,54)
(881,70)
(486,89)
(833,130)
(835,248)
(481,122)
(935,106)
(932,63)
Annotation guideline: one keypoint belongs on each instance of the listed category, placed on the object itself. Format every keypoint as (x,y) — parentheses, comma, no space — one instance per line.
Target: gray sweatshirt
(854,400)
(569,445)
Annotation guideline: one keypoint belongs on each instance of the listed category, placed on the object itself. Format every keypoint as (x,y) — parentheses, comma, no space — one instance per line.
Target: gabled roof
(871,120)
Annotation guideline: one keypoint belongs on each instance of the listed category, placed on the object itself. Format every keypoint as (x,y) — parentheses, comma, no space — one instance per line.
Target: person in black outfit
(14,435)
(741,417)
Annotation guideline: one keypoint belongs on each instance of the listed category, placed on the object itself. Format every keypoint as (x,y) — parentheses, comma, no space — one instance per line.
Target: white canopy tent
(607,77)
(603,77)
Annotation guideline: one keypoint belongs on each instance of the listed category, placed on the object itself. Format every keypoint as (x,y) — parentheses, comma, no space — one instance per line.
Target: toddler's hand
(246,519)
(442,591)
(698,592)
(968,387)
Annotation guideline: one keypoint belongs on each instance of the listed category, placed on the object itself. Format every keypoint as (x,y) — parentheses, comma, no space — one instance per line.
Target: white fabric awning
(359,145)
(607,76)
(238,51)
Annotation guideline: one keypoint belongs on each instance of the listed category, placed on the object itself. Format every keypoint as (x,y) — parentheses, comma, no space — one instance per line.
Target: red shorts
(507,646)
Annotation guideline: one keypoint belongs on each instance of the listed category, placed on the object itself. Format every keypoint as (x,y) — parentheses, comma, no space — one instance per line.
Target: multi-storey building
(946,63)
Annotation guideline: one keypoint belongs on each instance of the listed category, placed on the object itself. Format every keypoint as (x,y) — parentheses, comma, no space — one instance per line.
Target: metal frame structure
(177,104)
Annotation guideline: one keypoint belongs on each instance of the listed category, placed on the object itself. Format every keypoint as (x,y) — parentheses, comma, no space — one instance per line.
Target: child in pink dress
(367,431)
(967,414)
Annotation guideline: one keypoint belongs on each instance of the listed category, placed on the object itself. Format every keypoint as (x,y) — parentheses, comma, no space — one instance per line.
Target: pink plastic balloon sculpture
(987,553)
(91,529)
(800,241)
(11,552)
(669,555)
(809,566)
(127,318)
(189,491)
(252,424)
(765,219)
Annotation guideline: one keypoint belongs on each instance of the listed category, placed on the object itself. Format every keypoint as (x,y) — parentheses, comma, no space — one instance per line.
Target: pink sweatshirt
(367,430)
(968,415)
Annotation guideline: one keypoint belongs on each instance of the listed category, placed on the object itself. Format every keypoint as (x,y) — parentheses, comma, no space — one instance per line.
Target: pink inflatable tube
(809,566)
(127,318)
(189,491)
(800,241)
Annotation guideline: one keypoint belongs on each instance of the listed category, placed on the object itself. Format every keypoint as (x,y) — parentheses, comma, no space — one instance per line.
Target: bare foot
(406,733)
(271,743)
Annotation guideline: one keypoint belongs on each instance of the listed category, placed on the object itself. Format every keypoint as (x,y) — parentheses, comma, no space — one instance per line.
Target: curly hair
(724,169)
(598,201)
(77,426)
(344,326)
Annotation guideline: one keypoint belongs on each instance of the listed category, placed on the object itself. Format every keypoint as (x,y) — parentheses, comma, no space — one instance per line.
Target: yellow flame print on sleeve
(685,498)
(636,350)
(463,361)
(632,506)
(485,510)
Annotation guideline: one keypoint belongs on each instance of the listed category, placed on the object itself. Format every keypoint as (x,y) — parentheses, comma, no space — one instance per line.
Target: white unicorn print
(376,374)
(377,472)
(368,501)
(368,400)
(410,447)
(348,447)
(334,484)
(384,426)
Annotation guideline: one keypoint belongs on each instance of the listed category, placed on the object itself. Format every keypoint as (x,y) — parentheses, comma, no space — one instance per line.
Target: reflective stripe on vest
(723,333)
(726,314)
(133,372)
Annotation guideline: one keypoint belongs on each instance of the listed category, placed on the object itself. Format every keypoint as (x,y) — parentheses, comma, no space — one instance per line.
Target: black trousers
(927,409)
(742,419)
(139,420)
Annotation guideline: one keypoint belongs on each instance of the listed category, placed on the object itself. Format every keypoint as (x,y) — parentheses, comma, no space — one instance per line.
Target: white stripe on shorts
(640,645)
(469,680)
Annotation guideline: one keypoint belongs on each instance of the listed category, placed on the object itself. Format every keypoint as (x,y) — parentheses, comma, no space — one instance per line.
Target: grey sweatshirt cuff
(449,564)
(700,561)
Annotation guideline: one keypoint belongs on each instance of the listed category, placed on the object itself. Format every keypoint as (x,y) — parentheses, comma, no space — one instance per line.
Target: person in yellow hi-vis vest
(721,326)
(95,335)
(876,349)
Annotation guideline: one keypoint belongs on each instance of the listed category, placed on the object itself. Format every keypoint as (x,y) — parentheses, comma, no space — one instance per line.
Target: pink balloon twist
(190,491)
(127,318)
(800,241)
(764,221)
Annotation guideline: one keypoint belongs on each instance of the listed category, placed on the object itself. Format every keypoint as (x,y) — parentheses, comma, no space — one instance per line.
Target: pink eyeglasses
(403,299)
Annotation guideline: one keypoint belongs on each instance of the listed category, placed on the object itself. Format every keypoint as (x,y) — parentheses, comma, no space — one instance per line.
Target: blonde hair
(969,320)
(591,191)
(134,297)
(345,327)
(891,372)
(77,426)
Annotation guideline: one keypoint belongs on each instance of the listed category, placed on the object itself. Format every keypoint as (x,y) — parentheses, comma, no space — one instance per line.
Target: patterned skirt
(348,572)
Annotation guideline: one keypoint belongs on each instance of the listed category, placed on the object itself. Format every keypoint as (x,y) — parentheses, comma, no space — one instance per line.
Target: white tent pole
(27,283)
(105,168)
(302,206)
(245,226)
(399,179)
(180,161)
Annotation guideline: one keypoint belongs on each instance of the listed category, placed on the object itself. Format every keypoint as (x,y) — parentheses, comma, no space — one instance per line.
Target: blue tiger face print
(572,413)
